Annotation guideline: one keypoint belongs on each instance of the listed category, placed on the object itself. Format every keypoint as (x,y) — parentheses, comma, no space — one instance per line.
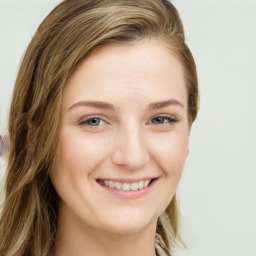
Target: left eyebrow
(164,103)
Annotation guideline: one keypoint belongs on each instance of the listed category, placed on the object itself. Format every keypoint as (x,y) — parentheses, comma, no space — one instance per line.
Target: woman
(99,125)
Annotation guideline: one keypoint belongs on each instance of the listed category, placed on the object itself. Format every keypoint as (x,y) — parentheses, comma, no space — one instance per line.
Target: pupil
(94,121)
(159,120)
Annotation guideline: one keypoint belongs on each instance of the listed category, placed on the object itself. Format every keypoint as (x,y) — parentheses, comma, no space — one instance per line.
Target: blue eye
(162,120)
(93,122)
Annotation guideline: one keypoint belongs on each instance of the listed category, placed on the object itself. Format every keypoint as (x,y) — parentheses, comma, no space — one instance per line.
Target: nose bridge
(130,147)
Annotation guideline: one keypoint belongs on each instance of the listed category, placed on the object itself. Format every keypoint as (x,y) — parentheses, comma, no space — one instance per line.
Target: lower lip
(130,194)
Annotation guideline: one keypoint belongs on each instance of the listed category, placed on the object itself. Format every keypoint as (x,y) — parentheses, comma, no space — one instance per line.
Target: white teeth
(146,182)
(118,185)
(125,186)
(111,184)
(134,186)
(141,184)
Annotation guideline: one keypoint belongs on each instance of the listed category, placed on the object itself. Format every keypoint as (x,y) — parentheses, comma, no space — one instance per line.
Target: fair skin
(124,122)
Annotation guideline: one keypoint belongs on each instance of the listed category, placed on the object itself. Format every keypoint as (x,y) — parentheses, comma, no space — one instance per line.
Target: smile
(134,186)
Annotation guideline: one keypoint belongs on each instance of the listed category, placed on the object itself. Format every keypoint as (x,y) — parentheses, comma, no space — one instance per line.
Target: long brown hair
(73,30)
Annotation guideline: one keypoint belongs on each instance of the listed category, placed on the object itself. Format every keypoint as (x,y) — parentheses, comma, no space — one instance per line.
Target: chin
(127,229)
(129,225)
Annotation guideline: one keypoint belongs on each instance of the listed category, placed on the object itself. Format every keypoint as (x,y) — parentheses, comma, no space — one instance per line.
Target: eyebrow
(164,103)
(109,106)
(96,104)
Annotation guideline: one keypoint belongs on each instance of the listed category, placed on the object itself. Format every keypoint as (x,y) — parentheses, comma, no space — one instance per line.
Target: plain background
(218,188)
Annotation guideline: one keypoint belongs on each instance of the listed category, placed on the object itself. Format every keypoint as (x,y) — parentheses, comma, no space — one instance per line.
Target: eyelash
(170,119)
(167,119)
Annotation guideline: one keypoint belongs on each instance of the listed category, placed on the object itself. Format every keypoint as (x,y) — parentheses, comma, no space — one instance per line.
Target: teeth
(134,186)
(118,185)
(125,186)
(111,184)
(146,182)
(141,184)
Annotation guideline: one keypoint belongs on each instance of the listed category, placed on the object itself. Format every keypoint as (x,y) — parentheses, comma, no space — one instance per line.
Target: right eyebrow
(96,104)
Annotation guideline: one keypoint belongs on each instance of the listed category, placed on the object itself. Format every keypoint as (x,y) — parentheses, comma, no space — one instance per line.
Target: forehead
(142,70)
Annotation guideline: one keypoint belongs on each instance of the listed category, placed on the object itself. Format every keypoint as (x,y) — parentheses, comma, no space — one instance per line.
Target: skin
(126,142)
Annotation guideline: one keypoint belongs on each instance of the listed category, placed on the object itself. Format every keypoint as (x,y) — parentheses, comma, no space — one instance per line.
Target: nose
(130,149)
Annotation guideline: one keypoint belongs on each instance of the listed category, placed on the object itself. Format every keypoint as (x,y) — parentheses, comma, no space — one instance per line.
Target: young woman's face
(124,138)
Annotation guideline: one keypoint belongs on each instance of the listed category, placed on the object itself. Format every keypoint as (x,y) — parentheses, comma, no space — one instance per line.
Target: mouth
(126,186)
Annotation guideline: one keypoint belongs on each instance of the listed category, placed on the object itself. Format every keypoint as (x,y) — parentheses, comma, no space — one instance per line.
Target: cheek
(79,152)
(171,153)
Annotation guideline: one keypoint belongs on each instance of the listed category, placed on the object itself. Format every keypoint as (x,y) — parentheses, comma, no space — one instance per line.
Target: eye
(163,120)
(94,121)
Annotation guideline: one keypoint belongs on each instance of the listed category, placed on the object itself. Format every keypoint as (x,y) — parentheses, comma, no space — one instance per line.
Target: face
(124,138)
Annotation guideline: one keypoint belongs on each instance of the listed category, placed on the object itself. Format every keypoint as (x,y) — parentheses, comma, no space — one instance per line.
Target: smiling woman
(104,102)
(115,145)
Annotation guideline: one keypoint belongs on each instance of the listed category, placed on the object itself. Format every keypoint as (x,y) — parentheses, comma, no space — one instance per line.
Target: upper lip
(127,180)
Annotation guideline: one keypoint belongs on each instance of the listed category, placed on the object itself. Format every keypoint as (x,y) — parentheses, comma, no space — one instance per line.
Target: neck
(77,238)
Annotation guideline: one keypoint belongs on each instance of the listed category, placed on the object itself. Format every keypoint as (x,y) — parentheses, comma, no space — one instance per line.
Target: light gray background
(218,189)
